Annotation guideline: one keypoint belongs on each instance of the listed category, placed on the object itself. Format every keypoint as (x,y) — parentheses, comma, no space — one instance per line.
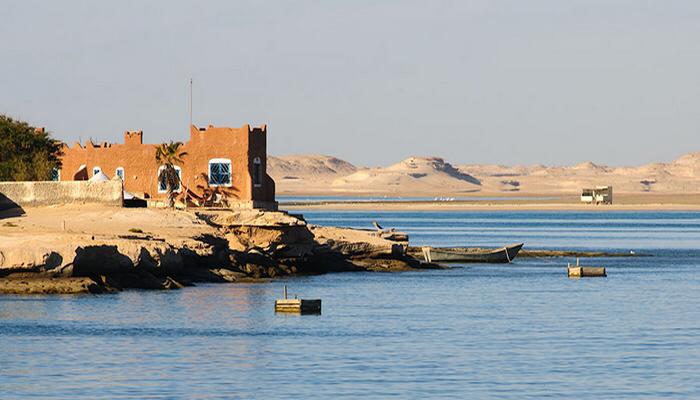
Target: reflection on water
(482,331)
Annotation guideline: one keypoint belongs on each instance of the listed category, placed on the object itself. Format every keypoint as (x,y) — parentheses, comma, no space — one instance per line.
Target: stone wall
(32,194)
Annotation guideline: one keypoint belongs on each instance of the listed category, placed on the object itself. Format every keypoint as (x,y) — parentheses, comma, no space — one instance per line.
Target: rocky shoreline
(99,250)
(215,246)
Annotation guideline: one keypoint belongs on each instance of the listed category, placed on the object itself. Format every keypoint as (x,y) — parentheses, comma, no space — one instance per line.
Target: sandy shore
(539,202)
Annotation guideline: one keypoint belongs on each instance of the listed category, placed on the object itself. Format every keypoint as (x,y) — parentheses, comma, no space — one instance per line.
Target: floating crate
(580,271)
(298,306)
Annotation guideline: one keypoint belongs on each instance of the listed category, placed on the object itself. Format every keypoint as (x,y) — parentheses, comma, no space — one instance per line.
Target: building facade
(223,166)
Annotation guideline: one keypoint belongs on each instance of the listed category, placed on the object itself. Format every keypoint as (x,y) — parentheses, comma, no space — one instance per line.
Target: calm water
(517,331)
(320,199)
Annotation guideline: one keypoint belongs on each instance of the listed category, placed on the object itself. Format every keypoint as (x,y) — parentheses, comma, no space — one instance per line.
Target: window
(96,170)
(220,172)
(55,174)
(162,186)
(119,172)
(257,172)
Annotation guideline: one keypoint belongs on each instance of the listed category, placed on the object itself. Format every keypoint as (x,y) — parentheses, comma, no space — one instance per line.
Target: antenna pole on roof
(188,128)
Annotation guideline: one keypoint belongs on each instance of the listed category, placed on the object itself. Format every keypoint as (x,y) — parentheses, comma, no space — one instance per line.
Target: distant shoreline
(622,202)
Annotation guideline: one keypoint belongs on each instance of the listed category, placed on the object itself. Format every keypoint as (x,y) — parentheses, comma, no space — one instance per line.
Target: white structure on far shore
(599,195)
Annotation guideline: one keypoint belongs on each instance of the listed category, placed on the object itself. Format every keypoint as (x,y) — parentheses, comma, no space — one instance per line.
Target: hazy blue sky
(554,82)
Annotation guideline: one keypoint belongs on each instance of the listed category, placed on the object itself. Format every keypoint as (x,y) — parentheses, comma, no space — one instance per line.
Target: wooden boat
(462,254)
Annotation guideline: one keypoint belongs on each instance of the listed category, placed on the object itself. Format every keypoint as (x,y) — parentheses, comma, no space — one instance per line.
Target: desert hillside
(415,175)
(306,174)
(433,176)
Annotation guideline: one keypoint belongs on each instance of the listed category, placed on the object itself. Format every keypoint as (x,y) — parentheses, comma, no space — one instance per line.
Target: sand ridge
(435,177)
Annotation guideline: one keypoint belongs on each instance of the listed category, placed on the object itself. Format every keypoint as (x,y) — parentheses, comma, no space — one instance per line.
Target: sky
(372,82)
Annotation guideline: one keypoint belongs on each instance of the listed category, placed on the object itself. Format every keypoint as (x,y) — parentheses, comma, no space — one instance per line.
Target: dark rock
(139,279)
(53,260)
(199,275)
(228,275)
(254,270)
(95,260)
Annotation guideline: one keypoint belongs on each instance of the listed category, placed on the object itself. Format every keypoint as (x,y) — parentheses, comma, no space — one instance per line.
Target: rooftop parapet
(133,137)
(197,132)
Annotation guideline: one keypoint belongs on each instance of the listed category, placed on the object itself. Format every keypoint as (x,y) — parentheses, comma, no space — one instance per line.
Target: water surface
(481,331)
(397,199)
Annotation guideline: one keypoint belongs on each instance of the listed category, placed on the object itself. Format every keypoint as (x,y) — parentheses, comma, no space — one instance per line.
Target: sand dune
(310,165)
(304,174)
(433,176)
(415,175)
(679,176)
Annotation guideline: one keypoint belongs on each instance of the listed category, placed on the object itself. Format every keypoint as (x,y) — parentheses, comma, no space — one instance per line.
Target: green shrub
(26,154)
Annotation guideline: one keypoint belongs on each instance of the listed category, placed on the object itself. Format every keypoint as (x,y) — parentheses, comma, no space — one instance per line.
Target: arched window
(96,170)
(257,172)
(162,186)
(119,172)
(219,172)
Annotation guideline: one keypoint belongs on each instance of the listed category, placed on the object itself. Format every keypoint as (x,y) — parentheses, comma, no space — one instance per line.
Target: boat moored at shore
(502,255)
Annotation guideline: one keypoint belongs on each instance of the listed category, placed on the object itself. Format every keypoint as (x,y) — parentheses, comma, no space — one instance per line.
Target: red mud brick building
(223,166)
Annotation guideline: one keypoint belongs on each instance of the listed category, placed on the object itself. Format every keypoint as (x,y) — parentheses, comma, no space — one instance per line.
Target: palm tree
(168,155)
